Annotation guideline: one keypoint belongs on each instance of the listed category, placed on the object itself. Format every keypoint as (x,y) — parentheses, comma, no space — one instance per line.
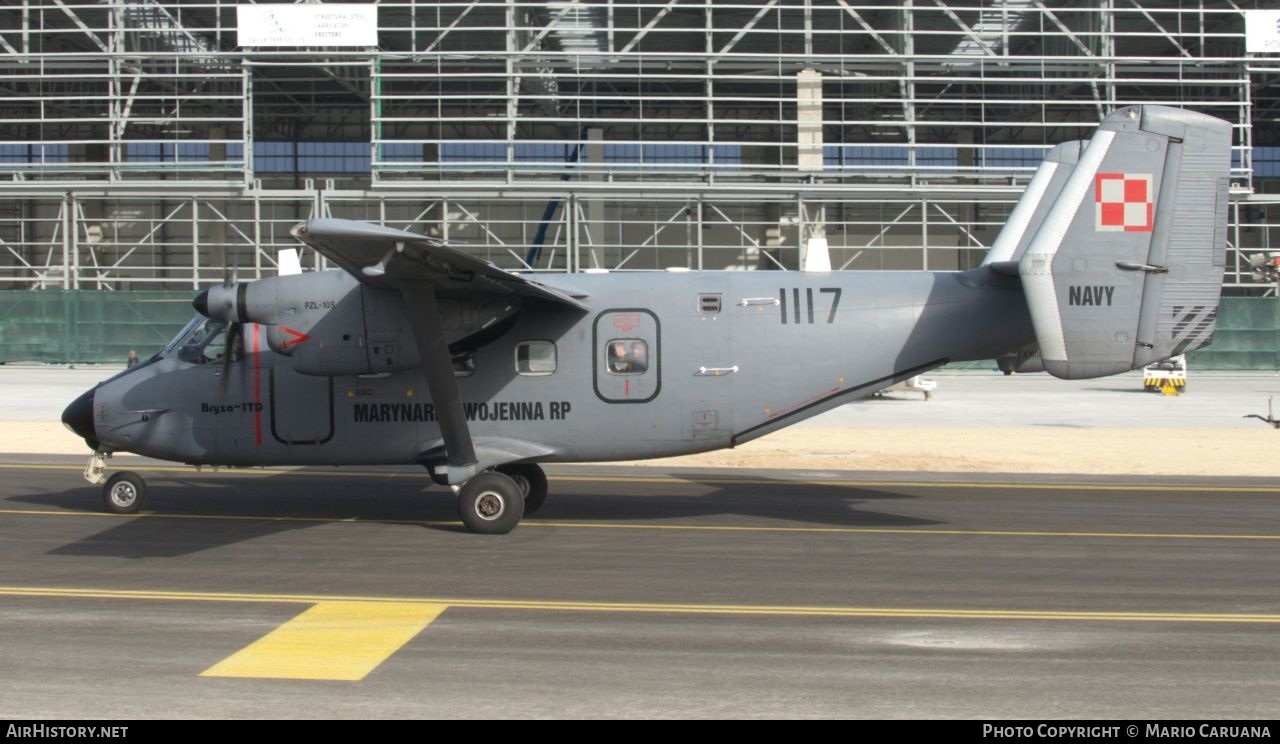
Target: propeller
(220,303)
(235,330)
(234,346)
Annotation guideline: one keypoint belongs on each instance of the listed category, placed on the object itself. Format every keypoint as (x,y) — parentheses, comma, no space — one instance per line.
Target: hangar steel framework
(141,146)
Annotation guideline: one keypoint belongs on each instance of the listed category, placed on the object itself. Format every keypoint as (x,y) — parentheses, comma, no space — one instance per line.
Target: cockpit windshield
(203,341)
(182,335)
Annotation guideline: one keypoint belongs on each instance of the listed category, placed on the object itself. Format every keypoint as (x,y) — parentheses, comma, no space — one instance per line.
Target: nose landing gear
(97,463)
(124,491)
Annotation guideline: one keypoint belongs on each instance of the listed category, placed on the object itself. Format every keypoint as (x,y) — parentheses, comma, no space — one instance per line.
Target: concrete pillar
(594,236)
(219,258)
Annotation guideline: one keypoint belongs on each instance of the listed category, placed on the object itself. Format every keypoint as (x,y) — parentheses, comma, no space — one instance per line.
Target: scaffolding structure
(142,147)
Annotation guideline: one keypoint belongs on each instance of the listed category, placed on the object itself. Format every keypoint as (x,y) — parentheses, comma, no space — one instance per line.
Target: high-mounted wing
(388,258)
(421,270)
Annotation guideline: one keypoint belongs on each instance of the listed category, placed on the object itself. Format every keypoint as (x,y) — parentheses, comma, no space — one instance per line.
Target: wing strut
(428,331)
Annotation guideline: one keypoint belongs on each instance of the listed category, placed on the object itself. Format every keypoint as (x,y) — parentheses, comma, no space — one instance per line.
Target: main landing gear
(490,504)
(493,502)
(532,482)
(123,492)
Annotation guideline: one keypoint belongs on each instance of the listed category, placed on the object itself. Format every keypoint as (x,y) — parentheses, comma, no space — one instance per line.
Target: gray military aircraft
(415,352)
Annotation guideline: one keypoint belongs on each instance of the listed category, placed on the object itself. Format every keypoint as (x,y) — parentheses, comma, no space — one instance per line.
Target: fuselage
(662,363)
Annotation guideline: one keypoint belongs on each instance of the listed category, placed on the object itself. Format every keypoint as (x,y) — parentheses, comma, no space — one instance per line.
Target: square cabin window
(627,356)
(536,357)
(464,364)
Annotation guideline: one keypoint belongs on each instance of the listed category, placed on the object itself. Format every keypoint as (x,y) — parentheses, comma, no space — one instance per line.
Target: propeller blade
(229,270)
(234,347)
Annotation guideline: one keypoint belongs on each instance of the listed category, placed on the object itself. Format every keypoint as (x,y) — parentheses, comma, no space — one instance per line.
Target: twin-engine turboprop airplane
(415,352)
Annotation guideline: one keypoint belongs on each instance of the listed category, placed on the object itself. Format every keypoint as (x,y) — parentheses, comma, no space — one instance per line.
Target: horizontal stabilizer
(1126,265)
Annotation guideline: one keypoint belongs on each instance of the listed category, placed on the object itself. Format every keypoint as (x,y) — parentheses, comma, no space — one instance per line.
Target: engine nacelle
(315,320)
(244,302)
(326,323)
(318,323)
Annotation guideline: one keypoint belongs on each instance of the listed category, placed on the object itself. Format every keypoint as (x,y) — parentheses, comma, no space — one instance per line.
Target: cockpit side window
(208,344)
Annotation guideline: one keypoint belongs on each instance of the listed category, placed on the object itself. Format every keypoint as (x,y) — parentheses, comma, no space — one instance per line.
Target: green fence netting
(94,326)
(1247,338)
(88,326)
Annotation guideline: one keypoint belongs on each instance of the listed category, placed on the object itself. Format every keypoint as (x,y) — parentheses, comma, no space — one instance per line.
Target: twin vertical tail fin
(1124,267)
(1029,213)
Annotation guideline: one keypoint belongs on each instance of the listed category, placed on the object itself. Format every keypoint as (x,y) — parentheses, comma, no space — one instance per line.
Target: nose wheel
(124,492)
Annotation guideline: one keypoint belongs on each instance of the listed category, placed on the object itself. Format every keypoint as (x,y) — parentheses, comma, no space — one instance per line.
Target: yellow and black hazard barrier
(1168,386)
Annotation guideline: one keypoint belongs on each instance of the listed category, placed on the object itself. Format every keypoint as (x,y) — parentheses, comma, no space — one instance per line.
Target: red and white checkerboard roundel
(1124,202)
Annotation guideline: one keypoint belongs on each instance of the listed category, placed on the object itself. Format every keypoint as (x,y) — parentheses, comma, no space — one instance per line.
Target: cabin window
(464,363)
(627,356)
(536,357)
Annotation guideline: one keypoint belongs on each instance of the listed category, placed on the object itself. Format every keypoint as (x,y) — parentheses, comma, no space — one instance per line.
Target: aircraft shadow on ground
(185,515)
(757,502)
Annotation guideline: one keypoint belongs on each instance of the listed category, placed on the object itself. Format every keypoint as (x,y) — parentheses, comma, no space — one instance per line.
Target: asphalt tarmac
(638,593)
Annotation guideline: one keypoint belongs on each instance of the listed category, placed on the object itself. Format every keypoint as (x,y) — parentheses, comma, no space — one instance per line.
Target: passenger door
(627,355)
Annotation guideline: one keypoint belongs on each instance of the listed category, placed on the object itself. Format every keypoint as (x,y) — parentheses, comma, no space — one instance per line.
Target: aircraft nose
(78,417)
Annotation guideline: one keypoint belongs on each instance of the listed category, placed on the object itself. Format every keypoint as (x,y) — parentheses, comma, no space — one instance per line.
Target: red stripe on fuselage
(257,390)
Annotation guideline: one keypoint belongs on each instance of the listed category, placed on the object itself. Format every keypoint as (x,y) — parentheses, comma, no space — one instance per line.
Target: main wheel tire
(124,492)
(532,482)
(490,504)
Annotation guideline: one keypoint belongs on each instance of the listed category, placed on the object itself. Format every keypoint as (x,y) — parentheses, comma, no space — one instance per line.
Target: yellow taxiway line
(429,603)
(345,638)
(673,479)
(535,523)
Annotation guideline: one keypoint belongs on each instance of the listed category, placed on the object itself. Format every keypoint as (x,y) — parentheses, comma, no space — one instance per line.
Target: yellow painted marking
(691,480)
(647,526)
(339,640)
(695,480)
(650,607)
(895,531)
